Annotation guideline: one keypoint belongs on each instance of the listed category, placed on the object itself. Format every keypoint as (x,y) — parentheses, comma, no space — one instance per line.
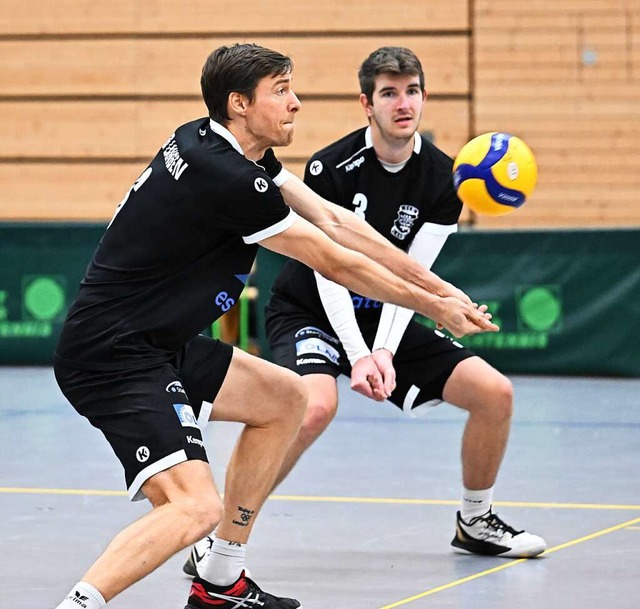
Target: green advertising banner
(40,268)
(566,301)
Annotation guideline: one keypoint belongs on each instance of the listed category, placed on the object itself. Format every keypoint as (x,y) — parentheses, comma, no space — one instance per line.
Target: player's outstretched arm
(346,228)
(311,246)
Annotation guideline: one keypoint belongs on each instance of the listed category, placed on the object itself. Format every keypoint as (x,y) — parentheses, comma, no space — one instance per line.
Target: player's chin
(286,135)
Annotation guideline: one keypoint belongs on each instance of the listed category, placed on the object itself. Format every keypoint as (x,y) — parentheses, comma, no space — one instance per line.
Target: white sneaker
(490,536)
(199,556)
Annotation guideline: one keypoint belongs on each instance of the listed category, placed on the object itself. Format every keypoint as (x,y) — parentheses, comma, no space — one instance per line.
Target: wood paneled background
(89,91)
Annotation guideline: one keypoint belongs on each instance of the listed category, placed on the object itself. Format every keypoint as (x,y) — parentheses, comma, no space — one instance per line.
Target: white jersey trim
(226,134)
(135,492)
(368,143)
(275,229)
(439,229)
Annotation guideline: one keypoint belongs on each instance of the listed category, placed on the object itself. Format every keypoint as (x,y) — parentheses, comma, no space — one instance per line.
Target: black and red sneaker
(242,593)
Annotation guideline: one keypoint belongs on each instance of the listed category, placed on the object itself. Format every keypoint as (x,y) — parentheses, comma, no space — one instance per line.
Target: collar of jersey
(226,134)
(368,140)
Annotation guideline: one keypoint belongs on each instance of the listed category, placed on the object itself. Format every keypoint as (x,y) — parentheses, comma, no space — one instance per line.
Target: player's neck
(251,147)
(391,150)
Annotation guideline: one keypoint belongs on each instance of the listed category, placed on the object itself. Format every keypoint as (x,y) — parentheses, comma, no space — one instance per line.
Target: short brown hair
(388,60)
(237,68)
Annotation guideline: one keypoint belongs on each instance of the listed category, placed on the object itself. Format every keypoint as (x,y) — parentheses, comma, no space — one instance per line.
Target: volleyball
(495,173)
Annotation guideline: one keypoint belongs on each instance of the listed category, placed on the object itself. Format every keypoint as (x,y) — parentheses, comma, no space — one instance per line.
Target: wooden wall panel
(322,65)
(224,16)
(133,129)
(566,78)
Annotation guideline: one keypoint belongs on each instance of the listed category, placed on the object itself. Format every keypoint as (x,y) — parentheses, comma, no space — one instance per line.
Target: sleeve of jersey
(252,206)
(317,176)
(338,306)
(394,320)
(274,168)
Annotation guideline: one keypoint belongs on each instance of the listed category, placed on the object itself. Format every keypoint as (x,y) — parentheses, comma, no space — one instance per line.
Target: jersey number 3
(360,204)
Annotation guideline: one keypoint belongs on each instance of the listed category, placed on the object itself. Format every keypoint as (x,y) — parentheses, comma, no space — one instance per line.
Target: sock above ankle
(225,563)
(83,596)
(475,503)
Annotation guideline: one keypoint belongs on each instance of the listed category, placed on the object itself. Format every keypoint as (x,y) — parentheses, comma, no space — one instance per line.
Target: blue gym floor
(365,520)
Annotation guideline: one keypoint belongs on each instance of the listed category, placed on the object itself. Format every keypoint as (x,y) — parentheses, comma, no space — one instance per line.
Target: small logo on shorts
(143,454)
(175,387)
(186,416)
(198,441)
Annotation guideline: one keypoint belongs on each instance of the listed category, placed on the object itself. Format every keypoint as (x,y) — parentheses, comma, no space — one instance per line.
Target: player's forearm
(353,232)
(366,277)
(344,227)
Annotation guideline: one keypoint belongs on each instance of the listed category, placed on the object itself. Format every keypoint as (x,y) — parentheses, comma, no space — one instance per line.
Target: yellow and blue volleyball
(495,173)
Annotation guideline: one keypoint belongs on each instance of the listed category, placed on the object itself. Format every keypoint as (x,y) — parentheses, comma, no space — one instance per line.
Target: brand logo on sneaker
(143,454)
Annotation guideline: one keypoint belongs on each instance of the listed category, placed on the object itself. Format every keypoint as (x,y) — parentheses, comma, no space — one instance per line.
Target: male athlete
(175,257)
(401,185)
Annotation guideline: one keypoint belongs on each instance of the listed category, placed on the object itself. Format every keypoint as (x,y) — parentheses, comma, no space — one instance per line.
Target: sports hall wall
(89,91)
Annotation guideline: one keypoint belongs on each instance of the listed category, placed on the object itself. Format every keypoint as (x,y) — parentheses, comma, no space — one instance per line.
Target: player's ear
(364,101)
(237,103)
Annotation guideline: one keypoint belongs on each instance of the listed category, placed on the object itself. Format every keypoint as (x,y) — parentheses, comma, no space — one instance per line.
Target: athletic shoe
(198,557)
(243,593)
(490,536)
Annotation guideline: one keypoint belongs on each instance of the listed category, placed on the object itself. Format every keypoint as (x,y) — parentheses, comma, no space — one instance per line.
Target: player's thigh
(475,385)
(424,362)
(257,392)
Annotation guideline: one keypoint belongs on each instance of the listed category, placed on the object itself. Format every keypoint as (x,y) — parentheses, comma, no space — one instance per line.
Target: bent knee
(318,415)
(203,511)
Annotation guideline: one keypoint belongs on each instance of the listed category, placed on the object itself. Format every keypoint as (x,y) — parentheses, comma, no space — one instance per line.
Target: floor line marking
(329,499)
(513,563)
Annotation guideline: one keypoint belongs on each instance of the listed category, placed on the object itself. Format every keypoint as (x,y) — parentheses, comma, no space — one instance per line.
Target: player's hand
(367,380)
(384,361)
(461,318)
(452,290)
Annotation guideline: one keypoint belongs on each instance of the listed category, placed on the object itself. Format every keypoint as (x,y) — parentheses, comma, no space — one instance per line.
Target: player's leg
(487,395)
(322,404)
(270,401)
(186,507)
(159,445)
(430,368)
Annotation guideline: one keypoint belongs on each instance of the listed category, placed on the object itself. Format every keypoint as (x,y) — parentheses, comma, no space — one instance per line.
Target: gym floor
(365,520)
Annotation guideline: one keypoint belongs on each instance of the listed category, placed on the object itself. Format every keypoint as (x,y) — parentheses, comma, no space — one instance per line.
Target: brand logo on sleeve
(261,184)
(316,168)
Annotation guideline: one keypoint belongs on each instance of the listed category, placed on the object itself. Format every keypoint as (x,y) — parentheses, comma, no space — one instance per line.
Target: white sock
(475,503)
(83,596)
(225,563)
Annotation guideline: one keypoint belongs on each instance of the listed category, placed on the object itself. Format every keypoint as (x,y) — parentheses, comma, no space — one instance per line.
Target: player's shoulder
(342,150)
(212,152)
(434,156)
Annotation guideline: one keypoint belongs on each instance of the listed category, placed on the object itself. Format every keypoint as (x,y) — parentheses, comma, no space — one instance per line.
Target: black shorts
(152,417)
(424,361)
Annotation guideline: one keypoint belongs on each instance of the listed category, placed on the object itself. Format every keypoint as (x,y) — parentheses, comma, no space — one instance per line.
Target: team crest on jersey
(316,168)
(407,215)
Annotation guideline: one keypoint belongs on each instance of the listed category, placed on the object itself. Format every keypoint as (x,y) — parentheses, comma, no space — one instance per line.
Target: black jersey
(397,205)
(177,253)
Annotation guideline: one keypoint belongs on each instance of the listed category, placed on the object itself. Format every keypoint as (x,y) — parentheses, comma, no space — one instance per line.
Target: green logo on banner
(43,298)
(538,311)
(43,304)
(539,308)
